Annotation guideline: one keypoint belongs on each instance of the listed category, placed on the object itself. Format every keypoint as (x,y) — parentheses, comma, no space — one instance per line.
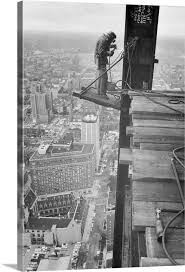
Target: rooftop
(54,201)
(57,150)
(29,199)
(36,223)
(80,210)
(52,265)
(90,118)
(66,139)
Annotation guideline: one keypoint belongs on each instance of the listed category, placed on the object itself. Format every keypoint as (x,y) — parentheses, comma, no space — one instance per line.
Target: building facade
(55,169)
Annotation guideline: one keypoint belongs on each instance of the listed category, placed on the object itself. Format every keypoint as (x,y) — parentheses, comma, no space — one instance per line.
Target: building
(55,168)
(49,100)
(26,239)
(58,230)
(108,259)
(33,87)
(39,226)
(90,133)
(42,107)
(53,205)
(110,230)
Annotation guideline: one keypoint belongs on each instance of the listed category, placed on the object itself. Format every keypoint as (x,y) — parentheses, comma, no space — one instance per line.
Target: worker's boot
(104,96)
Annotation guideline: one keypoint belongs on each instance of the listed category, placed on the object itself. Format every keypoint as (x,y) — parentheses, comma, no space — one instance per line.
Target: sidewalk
(88,225)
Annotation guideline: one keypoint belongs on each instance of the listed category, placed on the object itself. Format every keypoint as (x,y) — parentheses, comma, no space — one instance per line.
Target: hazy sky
(89,17)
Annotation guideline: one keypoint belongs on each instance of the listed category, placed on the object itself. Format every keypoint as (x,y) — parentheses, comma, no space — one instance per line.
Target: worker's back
(102,46)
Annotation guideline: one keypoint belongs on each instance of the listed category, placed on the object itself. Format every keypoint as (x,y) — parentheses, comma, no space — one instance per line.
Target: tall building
(90,133)
(42,107)
(56,168)
(33,87)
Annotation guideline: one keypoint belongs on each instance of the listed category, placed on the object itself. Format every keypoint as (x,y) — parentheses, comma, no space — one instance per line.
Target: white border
(8,174)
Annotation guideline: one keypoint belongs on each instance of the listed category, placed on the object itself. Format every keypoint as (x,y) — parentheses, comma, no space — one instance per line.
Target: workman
(105,47)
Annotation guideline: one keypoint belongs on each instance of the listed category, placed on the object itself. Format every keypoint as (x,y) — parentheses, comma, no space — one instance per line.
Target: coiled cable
(172,260)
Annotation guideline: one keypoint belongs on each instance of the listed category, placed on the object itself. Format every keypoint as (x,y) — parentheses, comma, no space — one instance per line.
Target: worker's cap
(111,35)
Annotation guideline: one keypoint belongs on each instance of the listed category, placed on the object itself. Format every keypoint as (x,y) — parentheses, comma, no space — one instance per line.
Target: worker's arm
(110,53)
(104,49)
(113,46)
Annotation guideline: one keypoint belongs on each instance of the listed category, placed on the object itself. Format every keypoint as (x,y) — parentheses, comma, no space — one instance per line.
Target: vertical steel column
(141,22)
(122,180)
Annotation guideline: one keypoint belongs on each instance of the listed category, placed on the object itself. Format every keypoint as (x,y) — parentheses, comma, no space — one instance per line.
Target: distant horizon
(93,18)
(36,31)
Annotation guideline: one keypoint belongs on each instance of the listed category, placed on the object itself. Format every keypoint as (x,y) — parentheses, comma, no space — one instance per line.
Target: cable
(129,69)
(176,157)
(122,51)
(115,96)
(180,212)
(175,101)
(120,80)
(178,181)
(164,236)
(87,88)
(129,62)
(129,65)
(166,95)
(154,101)
(110,64)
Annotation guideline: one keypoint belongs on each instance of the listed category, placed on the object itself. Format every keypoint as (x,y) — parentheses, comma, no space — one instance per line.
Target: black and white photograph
(100,102)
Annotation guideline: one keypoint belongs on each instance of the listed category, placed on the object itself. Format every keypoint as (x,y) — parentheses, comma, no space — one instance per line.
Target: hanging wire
(110,64)
(129,63)
(110,71)
(121,53)
(177,157)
